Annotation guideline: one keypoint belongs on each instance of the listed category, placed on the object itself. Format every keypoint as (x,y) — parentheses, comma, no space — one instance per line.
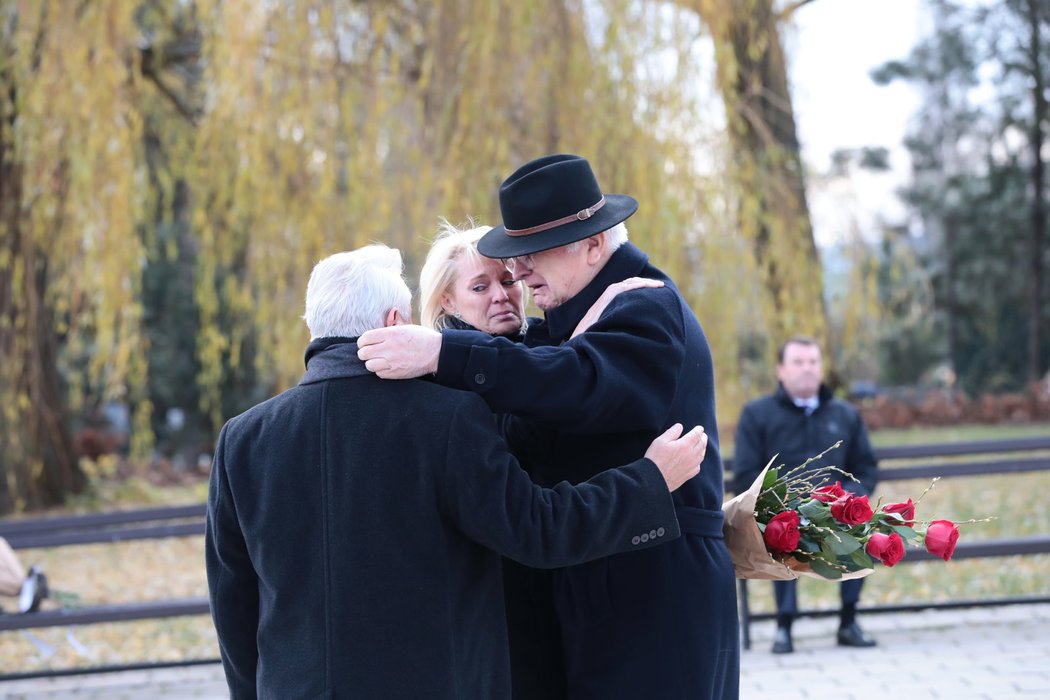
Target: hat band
(581,215)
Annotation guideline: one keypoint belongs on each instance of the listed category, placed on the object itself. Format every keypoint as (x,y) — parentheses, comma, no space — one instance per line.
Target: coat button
(636,539)
(645,537)
(660,532)
(479,378)
(652,534)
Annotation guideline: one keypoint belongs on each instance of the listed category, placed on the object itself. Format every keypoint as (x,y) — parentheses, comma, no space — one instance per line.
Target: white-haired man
(355,526)
(658,624)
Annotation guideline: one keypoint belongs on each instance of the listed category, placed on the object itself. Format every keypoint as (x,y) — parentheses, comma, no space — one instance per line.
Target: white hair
(614,238)
(350,293)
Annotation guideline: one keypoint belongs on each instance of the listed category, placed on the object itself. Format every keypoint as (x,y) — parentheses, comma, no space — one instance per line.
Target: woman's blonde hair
(450,246)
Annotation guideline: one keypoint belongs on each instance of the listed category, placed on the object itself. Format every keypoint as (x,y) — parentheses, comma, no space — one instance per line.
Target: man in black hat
(659,623)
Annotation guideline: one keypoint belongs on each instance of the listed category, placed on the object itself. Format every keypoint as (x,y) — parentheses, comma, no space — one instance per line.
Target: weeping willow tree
(765,163)
(330,125)
(69,250)
(243,141)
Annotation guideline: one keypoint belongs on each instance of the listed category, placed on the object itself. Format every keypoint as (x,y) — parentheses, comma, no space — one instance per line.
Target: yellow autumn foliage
(301,129)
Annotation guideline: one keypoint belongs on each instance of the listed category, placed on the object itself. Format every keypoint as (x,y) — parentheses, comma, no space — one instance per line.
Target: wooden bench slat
(979,468)
(956,449)
(62,539)
(1005,547)
(105,613)
(953,449)
(98,520)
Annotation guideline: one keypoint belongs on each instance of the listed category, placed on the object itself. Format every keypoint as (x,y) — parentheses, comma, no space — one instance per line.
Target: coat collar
(332,358)
(824,393)
(626,262)
(458,324)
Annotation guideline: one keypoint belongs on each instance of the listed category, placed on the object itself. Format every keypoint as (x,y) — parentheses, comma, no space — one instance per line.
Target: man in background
(799,421)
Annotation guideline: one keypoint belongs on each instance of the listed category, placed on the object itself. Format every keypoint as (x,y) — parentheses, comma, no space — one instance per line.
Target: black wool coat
(774,425)
(659,624)
(354,535)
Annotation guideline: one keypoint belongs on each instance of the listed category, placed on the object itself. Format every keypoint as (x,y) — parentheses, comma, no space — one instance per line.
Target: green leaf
(906,532)
(813,509)
(843,544)
(770,480)
(808,545)
(862,559)
(824,569)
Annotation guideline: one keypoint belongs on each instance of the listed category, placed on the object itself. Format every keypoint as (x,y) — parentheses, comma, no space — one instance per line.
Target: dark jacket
(774,425)
(354,532)
(655,624)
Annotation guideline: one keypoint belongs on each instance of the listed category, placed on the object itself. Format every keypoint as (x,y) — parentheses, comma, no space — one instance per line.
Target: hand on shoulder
(400,352)
(610,293)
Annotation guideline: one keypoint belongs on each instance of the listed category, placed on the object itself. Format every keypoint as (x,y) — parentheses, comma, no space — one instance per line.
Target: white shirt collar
(812,402)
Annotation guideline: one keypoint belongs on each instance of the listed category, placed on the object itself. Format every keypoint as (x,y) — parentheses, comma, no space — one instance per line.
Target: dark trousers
(786,594)
(537,668)
(658,624)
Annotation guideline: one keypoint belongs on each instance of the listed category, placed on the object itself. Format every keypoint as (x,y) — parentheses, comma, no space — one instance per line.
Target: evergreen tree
(972,191)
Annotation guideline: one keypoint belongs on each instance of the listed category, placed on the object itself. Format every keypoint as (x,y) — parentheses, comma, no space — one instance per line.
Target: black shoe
(853,636)
(34,590)
(782,642)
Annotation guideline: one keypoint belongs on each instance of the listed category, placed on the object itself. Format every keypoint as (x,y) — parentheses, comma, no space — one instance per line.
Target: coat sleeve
(232,583)
(749,449)
(494,502)
(619,375)
(860,460)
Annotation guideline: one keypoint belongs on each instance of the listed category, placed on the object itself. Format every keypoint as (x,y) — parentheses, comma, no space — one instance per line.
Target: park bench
(147,523)
(1010,456)
(118,526)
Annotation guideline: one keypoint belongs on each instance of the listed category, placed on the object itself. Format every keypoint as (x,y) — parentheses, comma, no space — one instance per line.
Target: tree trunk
(951,306)
(1036,307)
(37,461)
(767,161)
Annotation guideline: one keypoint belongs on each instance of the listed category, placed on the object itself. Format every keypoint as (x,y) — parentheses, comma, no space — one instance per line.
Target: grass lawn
(959,433)
(174,568)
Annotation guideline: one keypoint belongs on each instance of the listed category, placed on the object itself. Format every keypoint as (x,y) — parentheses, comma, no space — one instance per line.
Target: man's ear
(595,246)
(394,318)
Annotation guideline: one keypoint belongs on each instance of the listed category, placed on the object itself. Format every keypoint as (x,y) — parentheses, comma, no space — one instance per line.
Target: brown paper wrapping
(748,550)
(11,572)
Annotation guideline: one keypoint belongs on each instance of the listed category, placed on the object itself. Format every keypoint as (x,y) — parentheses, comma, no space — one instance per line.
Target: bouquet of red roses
(794,522)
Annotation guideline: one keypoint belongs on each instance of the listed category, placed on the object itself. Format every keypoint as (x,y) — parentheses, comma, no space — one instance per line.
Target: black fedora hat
(549,202)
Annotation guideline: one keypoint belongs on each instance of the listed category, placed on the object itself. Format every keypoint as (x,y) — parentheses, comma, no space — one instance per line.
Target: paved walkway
(995,653)
(1000,653)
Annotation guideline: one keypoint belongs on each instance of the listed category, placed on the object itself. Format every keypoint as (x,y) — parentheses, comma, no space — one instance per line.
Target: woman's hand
(608,295)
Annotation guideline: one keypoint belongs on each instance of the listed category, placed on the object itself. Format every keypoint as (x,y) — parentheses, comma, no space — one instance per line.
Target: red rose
(851,509)
(889,549)
(781,533)
(941,537)
(827,494)
(906,510)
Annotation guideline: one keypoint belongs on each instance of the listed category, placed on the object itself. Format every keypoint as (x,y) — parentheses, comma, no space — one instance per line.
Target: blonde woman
(461,289)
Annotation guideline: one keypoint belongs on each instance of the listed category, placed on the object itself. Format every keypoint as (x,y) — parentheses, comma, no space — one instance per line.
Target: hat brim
(497,244)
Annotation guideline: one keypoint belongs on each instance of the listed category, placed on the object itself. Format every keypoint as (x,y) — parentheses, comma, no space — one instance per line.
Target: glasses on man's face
(525,261)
